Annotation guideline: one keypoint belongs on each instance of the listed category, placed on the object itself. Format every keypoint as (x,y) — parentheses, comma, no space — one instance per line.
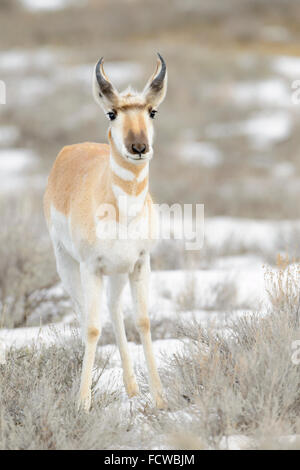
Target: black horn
(105,86)
(158,81)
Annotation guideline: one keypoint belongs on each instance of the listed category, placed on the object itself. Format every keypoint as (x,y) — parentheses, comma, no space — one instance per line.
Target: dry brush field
(225,319)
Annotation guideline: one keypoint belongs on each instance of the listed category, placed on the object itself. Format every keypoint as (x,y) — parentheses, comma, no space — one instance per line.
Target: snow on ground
(283,170)
(45,70)
(8,135)
(264,129)
(15,160)
(18,182)
(200,153)
(254,239)
(251,234)
(119,73)
(26,59)
(15,168)
(50,5)
(273,92)
(239,280)
(56,62)
(248,289)
(288,66)
(232,286)
(242,442)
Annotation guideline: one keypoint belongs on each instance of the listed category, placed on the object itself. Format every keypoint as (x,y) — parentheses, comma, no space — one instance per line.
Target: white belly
(109,254)
(120,245)
(118,256)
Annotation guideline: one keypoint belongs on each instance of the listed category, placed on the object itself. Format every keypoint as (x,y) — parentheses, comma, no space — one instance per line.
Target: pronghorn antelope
(85,177)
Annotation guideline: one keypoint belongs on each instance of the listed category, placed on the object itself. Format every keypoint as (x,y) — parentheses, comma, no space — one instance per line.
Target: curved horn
(104,85)
(157,82)
(156,88)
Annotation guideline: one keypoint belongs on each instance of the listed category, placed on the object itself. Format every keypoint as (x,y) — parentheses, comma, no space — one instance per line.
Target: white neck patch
(129,204)
(121,172)
(126,174)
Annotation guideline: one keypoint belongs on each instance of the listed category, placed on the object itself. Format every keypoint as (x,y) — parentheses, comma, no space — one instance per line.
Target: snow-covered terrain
(227,138)
(176,297)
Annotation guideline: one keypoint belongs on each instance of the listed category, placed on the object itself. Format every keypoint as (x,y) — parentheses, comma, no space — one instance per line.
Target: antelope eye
(112,115)
(152,113)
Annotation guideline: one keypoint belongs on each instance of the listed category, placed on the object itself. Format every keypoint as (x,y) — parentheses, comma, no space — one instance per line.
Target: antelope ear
(104,92)
(156,88)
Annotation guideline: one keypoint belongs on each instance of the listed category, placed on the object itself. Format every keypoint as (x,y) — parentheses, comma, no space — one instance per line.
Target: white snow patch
(238,262)
(15,160)
(19,182)
(111,380)
(44,335)
(289,440)
(211,319)
(236,442)
(263,129)
(15,167)
(287,65)
(20,59)
(8,135)
(272,92)
(118,72)
(50,5)
(283,170)
(45,71)
(266,129)
(248,286)
(200,153)
(32,89)
(250,234)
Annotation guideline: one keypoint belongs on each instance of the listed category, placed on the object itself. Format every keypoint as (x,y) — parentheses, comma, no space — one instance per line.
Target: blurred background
(224,319)
(227,135)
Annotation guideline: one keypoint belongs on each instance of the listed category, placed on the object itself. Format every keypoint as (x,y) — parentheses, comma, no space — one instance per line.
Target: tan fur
(132,106)
(93,333)
(83,178)
(74,166)
(80,181)
(130,187)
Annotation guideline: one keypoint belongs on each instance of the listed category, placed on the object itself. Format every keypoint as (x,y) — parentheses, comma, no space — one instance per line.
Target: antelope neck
(129,180)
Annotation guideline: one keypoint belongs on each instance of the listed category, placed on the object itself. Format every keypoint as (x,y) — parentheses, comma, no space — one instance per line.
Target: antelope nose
(139,148)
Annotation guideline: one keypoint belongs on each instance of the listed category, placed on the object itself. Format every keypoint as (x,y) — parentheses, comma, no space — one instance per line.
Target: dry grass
(223,298)
(246,384)
(283,286)
(241,382)
(27,268)
(38,396)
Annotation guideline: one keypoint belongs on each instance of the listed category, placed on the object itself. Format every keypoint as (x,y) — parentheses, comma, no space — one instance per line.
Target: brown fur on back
(80,180)
(72,184)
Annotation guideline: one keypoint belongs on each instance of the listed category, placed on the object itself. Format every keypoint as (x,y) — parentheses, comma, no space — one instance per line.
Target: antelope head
(131,113)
